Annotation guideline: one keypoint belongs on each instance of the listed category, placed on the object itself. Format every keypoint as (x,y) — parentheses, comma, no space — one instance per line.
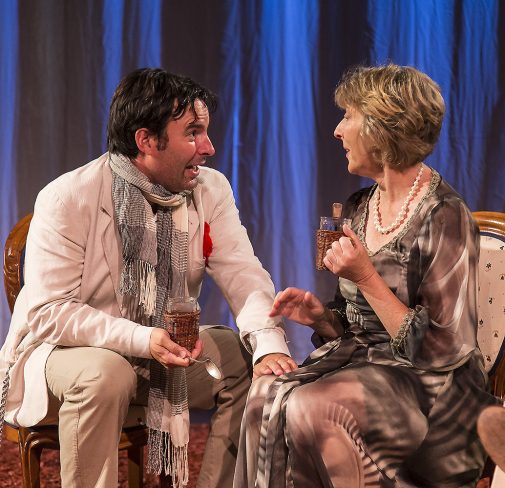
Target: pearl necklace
(402,214)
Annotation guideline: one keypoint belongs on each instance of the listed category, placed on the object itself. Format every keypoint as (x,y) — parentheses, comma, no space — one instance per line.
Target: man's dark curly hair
(148,98)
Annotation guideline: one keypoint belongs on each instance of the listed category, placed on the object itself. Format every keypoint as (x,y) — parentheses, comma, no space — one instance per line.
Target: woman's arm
(349,259)
(435,328)
(305,308)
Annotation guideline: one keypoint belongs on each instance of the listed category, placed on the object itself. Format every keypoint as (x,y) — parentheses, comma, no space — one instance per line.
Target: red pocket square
(207,243)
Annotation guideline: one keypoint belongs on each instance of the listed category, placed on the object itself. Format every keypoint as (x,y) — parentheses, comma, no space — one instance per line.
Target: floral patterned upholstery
(491,297)
(491,310)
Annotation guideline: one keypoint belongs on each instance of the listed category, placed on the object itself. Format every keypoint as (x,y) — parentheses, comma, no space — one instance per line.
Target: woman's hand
(298,305)
(305,308)
(348,258)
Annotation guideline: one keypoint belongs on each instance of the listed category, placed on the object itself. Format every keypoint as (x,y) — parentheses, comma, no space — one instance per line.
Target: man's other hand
(275,363)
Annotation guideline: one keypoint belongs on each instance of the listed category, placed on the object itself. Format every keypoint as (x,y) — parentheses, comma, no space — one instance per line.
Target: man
(106,243)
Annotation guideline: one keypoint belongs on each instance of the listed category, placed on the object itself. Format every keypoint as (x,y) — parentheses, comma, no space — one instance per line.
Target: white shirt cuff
(268,341)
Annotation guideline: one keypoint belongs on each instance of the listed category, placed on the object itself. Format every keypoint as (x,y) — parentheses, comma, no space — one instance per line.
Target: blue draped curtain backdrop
(274,65)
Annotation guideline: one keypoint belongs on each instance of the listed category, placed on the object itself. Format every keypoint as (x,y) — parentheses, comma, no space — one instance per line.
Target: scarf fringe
(147,282)
(128,283)
(163,455)
(140,276)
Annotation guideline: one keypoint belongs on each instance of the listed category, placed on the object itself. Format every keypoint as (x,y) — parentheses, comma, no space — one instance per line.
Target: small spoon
(210,366)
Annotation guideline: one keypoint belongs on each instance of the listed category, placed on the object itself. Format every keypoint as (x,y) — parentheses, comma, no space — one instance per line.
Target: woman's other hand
(349,259)
(298,305)
(305,308)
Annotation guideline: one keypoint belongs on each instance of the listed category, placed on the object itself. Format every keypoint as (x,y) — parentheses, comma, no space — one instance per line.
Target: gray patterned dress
(365,410)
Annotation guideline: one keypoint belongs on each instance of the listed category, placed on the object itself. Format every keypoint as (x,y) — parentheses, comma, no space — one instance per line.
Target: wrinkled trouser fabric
(91,389)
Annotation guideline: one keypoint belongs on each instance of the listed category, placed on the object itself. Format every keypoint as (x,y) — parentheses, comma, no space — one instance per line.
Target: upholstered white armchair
(491,305)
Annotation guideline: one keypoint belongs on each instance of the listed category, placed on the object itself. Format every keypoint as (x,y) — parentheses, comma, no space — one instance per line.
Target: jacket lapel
(195,213)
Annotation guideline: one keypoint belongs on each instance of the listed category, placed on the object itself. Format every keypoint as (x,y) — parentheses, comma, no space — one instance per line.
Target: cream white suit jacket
(72,270)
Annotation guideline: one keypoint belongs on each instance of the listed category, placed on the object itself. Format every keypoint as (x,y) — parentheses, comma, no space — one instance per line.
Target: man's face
(174,163)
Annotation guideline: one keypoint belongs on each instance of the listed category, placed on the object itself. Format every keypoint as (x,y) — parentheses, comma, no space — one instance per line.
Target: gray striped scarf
(154,250)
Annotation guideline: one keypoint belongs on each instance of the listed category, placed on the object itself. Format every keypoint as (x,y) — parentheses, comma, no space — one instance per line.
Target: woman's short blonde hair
(402,108)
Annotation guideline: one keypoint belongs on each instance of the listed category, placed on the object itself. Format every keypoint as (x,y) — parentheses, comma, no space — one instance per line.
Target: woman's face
(349,132)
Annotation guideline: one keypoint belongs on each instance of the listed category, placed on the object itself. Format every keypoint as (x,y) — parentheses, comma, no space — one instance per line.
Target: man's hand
(275,363)
(168,353)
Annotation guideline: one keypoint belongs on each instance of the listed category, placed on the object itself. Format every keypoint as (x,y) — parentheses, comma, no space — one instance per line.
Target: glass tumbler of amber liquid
(330,230)
(182,320)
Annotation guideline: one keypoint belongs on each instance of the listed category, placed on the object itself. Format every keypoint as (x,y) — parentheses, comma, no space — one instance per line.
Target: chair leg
(165,481)
(135,467)
(30,453)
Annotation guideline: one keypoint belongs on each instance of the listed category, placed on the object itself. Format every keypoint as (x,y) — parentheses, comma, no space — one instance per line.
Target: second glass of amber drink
(330,230)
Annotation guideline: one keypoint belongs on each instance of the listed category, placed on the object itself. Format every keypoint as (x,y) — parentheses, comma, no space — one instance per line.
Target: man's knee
(111,384)
(93,371)
(224,347)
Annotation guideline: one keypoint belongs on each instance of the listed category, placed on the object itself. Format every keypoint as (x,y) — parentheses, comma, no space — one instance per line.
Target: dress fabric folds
(368,411)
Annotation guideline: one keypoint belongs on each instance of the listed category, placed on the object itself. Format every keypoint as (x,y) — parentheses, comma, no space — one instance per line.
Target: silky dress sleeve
(442,285)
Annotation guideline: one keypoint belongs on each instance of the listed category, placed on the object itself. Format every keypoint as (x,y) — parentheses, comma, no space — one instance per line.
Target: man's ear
(146,142)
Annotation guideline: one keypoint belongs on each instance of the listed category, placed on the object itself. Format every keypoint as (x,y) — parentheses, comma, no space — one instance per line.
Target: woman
(392,394)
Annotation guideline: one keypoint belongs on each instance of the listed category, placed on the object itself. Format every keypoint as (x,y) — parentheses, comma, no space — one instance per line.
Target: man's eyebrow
(195,124)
